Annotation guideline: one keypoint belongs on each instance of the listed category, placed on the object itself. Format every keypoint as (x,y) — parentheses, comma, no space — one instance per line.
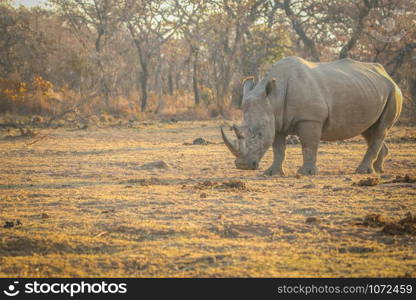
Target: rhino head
(256,134)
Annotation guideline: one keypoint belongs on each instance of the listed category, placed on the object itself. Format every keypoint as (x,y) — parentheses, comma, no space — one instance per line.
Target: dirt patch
(406,178)
(406,225)
(370,181)
(234,184)
(375,220)
(140,234)
(142,181)
(232,230)
(402,139)
(227,185)
(154,165)
(22,245)
(202,262)
(355,249)
(309,186)
(399,229)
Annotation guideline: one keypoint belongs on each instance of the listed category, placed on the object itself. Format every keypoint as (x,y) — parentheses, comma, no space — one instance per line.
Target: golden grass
(87,208)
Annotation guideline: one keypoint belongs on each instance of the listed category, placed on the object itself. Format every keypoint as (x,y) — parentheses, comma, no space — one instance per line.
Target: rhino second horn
(238,132)
(230,145)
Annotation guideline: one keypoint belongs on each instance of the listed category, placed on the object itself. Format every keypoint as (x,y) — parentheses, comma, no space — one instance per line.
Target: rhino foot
(379,169)
(364,170)
(308,171)
(274,171)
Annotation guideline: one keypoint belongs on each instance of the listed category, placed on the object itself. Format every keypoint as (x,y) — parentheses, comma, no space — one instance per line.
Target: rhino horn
(238,132)
(230,145)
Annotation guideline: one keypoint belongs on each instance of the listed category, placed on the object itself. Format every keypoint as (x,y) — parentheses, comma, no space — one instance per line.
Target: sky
(27,3)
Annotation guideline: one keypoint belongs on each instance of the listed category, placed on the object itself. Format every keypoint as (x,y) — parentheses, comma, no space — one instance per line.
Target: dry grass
(87,207)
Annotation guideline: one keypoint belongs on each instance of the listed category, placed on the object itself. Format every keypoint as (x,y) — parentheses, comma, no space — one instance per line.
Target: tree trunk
(105,89)
(144,76)
(297,26)
(170,82)
(159,88)
(195,79)
(344,53)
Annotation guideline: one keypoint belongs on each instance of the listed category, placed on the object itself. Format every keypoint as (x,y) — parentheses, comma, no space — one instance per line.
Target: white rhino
(315,101)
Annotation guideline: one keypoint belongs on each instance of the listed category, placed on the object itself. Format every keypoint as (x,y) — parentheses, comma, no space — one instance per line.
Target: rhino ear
(248,84)
(270,85)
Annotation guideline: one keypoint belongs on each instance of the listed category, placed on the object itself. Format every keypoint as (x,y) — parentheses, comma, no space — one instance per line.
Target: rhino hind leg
(309,133)
(378,164)
(374,137)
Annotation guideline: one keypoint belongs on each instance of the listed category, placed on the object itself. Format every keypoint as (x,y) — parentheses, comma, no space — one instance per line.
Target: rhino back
(356,94)
(346,96)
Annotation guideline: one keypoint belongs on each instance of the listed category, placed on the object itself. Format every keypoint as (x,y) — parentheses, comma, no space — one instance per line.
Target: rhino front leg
(309,133)
(279,149)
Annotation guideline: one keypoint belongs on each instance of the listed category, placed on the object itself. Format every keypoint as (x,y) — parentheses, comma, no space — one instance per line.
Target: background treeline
(185,58)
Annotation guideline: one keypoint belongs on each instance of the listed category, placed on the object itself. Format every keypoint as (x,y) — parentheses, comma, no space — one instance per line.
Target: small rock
(8,224)
(347,179)
(200,141)
(312,220)
(309,186)
(203,195)
(45,216)
(11,224)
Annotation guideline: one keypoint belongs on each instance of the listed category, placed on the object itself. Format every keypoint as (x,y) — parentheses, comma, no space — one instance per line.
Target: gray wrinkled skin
(315,101)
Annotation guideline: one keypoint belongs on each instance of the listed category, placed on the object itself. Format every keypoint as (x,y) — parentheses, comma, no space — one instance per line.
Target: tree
(93,19)
(150,27)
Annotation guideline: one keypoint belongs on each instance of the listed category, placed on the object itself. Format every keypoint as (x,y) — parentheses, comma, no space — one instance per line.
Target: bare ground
(85,203)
